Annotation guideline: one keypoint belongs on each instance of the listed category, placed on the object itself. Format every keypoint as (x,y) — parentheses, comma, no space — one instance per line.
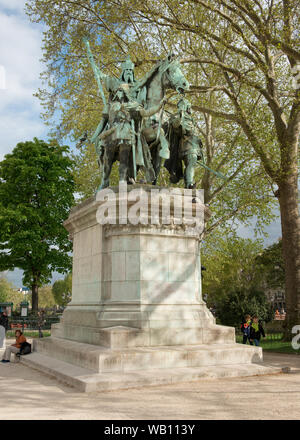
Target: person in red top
(14,348)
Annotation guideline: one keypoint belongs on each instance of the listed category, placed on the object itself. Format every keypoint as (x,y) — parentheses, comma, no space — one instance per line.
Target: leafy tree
(253,48)
(233,307)
(230,266)
(245,54)
(246,191)
(6,289)
(237,273)
(46,298)
(271,266)
(36,194)
(16,298)
(62,290)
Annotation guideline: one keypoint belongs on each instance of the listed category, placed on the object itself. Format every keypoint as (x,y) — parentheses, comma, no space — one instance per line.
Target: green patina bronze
(123,140)
(185,145)
(131,126)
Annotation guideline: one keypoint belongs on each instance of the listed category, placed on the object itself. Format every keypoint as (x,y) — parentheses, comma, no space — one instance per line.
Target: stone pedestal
(136,285)
(137,304)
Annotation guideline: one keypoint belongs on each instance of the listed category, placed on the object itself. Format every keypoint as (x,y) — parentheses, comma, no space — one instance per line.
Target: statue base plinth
(136,303)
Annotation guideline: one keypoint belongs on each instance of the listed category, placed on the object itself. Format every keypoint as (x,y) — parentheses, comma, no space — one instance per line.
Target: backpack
(25,348)
(245,327)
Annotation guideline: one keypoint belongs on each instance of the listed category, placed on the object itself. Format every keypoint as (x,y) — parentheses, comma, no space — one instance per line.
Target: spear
(96,72)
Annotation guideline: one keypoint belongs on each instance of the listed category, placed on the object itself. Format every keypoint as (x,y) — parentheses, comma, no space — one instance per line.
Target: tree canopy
(270,264)
(62,290)
(231,309)
(36,194)
(238,274)
(242,59)
(230,266)
(6,290)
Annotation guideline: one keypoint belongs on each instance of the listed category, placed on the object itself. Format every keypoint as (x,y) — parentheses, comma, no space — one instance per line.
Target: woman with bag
(14,348)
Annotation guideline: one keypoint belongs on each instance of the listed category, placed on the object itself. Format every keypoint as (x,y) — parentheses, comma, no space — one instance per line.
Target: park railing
(271,335)
(32,323)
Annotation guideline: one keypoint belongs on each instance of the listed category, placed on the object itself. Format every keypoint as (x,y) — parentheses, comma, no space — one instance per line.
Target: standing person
(3,328)
(121,136)
(245,329)
(185,145)
(41,322)
(256,330)
(14,348)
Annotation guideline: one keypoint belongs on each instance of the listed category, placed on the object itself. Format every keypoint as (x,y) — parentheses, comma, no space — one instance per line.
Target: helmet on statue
(127,71)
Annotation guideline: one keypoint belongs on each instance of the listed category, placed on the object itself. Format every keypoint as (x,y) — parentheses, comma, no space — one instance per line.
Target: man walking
(3,328)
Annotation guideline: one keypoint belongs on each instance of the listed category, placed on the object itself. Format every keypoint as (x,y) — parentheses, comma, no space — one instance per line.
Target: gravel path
(33,396)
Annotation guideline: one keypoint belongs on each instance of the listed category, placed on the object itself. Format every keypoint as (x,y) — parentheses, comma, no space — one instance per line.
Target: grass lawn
(28,333)
(273,343)
(279,347)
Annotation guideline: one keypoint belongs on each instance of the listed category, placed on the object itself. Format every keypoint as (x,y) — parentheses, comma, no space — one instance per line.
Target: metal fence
(32,323)
(271,335)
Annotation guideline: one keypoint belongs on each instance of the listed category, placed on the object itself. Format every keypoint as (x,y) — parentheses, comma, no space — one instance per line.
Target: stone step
(120,336)
(85,380)
(103,359)
(64,372)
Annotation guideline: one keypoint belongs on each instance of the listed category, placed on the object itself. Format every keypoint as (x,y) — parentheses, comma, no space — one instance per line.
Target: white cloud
(20,54)
(12,5)
(22,127)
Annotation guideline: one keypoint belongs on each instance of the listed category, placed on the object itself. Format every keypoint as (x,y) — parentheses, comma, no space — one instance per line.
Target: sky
(20,54)
(20,60)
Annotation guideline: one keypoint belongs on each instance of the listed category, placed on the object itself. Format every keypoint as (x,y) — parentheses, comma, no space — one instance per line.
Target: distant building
(276,297)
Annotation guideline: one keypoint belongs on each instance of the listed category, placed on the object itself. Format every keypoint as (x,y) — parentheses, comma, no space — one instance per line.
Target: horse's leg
(190,162)
(124,162)
(164,146)
(108,161)
(156,161)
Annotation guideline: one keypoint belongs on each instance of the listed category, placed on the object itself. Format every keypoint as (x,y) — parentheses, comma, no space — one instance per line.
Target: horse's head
(172,74)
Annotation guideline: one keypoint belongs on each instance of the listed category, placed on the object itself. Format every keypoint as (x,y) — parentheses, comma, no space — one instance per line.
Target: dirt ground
(272,397)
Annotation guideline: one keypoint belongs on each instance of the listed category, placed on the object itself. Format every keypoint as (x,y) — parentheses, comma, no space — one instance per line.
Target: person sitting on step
(14,348)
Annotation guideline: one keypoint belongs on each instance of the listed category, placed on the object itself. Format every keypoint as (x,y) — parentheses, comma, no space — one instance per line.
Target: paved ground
(30,395)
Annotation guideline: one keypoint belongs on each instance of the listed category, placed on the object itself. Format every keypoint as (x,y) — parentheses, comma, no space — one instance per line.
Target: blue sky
(20,54)
(20,58)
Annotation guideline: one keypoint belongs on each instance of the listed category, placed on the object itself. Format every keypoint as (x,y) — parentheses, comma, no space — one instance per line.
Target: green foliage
(232,308)
(6,290)
(62,290)
(242,60)
(237,272)
(16,298)
(36,194)
(230,265)
(46,298)
(271,266)
(114,29)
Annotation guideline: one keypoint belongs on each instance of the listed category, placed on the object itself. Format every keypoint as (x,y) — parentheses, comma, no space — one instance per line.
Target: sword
(213,171)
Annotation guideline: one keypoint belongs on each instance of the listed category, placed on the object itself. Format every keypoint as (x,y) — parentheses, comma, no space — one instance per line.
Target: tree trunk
(290,227)
(35,298)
